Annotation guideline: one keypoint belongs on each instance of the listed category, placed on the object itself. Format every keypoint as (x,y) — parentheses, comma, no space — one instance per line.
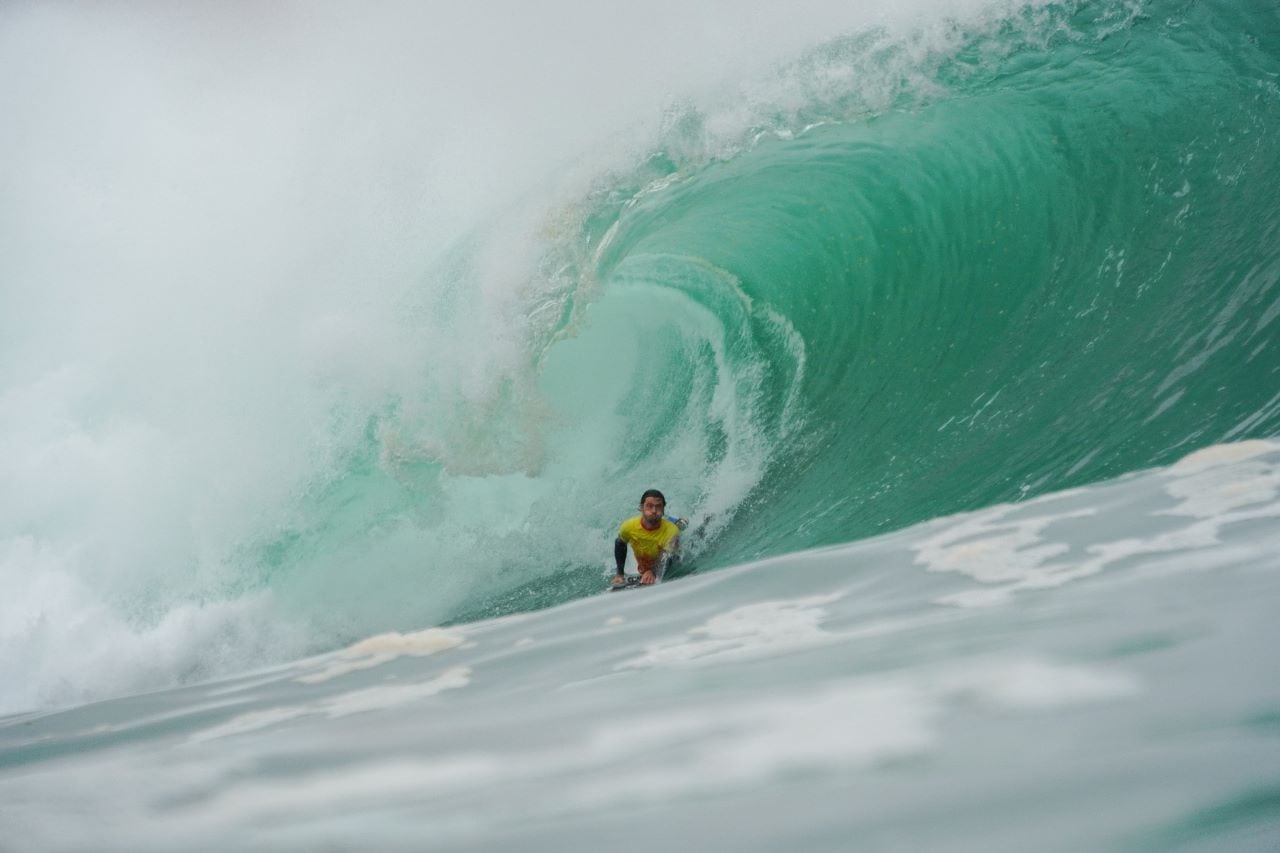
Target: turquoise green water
(1057,266)
(946,271)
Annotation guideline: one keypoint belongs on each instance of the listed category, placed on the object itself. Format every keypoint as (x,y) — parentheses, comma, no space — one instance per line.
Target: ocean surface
(334,346)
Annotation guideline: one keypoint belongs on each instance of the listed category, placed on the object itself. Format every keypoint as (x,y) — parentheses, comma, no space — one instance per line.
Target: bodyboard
(632,582)
(672,566)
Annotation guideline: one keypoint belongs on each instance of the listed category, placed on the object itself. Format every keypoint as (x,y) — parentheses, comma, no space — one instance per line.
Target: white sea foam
(383,697)
(1221,454)
(375,651)
(766,627)
(991,547)
(724,745)
(1032,683)
(1227,481)
(1219,485)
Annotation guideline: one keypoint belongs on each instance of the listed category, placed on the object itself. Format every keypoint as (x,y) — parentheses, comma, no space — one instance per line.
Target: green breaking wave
(927,277)
(1059,265)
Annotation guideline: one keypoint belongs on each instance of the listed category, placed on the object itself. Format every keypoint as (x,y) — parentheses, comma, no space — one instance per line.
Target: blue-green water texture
(959,345)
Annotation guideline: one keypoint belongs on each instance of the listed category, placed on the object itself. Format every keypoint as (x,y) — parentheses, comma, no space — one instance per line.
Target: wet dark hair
(653,493)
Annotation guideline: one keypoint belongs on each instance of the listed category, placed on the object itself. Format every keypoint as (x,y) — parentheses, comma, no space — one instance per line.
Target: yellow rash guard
(648,545)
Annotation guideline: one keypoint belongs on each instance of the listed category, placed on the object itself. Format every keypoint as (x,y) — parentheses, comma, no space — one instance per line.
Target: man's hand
(648,577)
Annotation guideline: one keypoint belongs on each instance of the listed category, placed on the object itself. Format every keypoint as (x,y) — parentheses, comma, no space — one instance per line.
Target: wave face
(909,272)
(1056,264)
(976,682)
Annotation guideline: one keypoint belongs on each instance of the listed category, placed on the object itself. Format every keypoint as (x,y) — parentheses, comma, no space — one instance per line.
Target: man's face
(651,510)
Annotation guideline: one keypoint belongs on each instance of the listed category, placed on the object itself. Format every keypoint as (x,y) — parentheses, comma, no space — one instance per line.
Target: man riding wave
(654,539)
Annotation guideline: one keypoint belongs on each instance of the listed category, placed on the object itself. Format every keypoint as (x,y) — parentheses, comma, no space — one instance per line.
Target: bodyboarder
(653,536)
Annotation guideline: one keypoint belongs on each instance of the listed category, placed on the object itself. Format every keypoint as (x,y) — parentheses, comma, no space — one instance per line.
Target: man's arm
(620,554)
(671,551)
